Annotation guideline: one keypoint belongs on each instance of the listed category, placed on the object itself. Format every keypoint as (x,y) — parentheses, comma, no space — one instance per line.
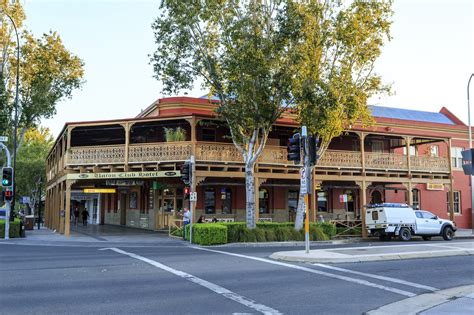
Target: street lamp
(470,147)
(16,110)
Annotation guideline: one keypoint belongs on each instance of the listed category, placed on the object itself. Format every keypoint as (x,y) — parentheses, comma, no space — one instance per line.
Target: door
(292,204)
(425,224)
(123,210)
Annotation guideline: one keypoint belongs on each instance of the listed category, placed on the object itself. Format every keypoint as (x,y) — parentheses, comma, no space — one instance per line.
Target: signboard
(124,175)
(25,200)
(193,196)
(343,198)
(431,186)
(124,182)
(304,183)
(99,190)
(3,139)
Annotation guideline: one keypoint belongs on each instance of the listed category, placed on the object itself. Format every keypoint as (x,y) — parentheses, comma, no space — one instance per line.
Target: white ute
(394,219)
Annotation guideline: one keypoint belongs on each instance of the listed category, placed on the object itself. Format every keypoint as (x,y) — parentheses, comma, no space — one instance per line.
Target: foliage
(238,50)
(175,134)
(328,228)
(14,228)
(345,231)
(208,234)
(48,74)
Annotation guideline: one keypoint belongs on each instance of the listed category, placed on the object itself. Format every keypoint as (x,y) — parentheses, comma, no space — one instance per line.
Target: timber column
(363,198)
(451,180)
(67,226)
(408,144)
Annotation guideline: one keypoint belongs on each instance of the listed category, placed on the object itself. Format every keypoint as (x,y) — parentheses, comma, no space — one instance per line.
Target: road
(174,278)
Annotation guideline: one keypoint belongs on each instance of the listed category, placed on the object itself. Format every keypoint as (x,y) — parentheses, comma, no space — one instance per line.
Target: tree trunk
(250,195)
(299,220)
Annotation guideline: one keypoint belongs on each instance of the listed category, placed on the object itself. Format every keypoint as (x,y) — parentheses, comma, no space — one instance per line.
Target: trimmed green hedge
(14,228)
(208,234)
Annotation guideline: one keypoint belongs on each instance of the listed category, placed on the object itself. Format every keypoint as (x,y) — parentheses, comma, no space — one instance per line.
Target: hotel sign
(99,190)
(124,175)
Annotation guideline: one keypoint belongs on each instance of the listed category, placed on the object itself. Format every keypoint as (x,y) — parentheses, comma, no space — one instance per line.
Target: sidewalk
(378,253)
(457,301)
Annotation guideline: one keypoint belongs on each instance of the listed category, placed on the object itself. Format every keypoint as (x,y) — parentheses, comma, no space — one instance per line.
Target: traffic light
(313,149)
(8,195)
(294,148)
(186,192)
(467,161)
(7,176)
(186,172)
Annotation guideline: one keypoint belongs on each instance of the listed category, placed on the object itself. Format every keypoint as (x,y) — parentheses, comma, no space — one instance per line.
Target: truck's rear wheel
(405,234)
(448,233)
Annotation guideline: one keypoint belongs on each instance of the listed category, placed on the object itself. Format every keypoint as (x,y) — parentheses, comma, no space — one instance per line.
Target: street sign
(304,184)
(343,198)
(193,196)
(3,139)
(99,190)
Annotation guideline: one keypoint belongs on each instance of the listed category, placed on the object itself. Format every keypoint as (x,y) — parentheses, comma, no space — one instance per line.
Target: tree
(30,163)
(48,74)
(239,51)
(336,46)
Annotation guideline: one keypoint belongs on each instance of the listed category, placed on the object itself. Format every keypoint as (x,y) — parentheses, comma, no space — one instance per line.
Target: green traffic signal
(7,176)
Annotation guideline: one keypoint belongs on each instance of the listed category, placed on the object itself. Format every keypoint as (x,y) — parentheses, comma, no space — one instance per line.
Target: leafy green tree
(336,46)
(30,163)
(48,74)
(238,50)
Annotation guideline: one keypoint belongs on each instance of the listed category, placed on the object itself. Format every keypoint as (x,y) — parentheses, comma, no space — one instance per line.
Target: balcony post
(363,197)
(67,227)
(127,127)
(193,124)
(408,142)
(451,180)
(68,145)
(362,149)
(257,198)
(410,193)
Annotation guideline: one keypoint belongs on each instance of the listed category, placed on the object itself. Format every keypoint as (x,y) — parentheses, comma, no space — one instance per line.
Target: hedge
(14,228)
(208,234)
(231,232)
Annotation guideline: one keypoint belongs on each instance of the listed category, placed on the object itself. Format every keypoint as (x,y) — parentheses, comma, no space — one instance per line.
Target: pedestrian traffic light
(186,172)
(8,195)
(467,160)
(7,176)
(294,148)
(313,149)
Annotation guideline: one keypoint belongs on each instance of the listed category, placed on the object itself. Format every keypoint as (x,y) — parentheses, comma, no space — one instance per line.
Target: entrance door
(123,210)
(292,204)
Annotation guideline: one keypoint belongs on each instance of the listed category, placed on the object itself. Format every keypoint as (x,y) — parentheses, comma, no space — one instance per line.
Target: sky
(428,62)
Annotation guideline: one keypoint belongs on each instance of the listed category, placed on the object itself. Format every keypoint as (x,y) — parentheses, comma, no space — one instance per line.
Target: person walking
(186,221)
(85,215)
(76,215)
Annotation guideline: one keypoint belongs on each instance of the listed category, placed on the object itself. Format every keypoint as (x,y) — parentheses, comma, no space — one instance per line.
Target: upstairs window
(456,157)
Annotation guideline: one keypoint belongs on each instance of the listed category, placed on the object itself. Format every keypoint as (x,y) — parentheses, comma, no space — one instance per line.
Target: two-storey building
(127,171)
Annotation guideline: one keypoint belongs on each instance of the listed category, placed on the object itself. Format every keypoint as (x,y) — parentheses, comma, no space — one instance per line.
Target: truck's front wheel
(405,234)
(448,233)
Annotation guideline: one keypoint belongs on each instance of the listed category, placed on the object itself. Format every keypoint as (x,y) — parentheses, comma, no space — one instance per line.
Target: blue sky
(428,62)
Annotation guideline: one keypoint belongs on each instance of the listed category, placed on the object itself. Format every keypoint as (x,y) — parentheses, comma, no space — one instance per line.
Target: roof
(410,114)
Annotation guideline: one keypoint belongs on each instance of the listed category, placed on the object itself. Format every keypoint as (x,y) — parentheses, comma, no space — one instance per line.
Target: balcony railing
(226,152)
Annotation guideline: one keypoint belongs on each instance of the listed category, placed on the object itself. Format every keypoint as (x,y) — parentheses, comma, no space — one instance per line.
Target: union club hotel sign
(124,175)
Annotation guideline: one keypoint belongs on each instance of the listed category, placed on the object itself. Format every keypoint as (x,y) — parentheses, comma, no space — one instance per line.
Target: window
(427,215)
(412,150)
(226,197)
(457,201)
(434,151)
(263,200)
(210,200)
(323,201)
(416,198)
(456,157)
(209,135)
(132,201)
(377,146)
(419,215)
(293,200)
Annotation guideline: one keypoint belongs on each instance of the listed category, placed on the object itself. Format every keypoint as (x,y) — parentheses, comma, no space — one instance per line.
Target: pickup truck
(400,220)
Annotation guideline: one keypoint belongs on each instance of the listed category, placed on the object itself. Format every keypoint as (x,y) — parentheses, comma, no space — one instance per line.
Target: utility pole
(192,196)
(307,178)
(7,202)
(40,181)
(470,147)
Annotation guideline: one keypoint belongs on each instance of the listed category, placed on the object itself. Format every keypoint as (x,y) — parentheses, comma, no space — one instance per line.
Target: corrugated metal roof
(397,113)
(410,114)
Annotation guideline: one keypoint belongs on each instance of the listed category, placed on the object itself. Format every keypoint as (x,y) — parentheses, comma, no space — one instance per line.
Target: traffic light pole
(192,202)
(308,180)
(7,202)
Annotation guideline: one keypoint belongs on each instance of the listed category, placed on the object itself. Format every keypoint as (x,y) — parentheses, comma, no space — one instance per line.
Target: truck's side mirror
(435,217)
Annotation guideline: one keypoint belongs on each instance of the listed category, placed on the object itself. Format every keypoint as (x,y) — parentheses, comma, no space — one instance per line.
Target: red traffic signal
(8,195)
(187,190)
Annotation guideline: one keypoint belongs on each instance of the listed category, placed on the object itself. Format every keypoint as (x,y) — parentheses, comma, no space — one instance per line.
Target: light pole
(16,110)
(470,147)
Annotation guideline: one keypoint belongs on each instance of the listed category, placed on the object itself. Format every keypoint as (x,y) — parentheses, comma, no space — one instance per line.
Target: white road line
(448,246)
(208,285)
(322,273)
(408,283)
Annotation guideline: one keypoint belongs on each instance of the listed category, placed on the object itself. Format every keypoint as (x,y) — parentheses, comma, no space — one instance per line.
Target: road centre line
(208,285)
(408,283)
(322,273)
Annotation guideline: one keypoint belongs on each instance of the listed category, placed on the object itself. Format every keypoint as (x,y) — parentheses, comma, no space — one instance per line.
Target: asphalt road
(177,279)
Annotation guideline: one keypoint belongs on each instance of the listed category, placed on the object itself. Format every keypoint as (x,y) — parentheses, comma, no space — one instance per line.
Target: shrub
(316,233)
(270,235)
(328,228)
(14,228)
(347,231)
(208,234)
